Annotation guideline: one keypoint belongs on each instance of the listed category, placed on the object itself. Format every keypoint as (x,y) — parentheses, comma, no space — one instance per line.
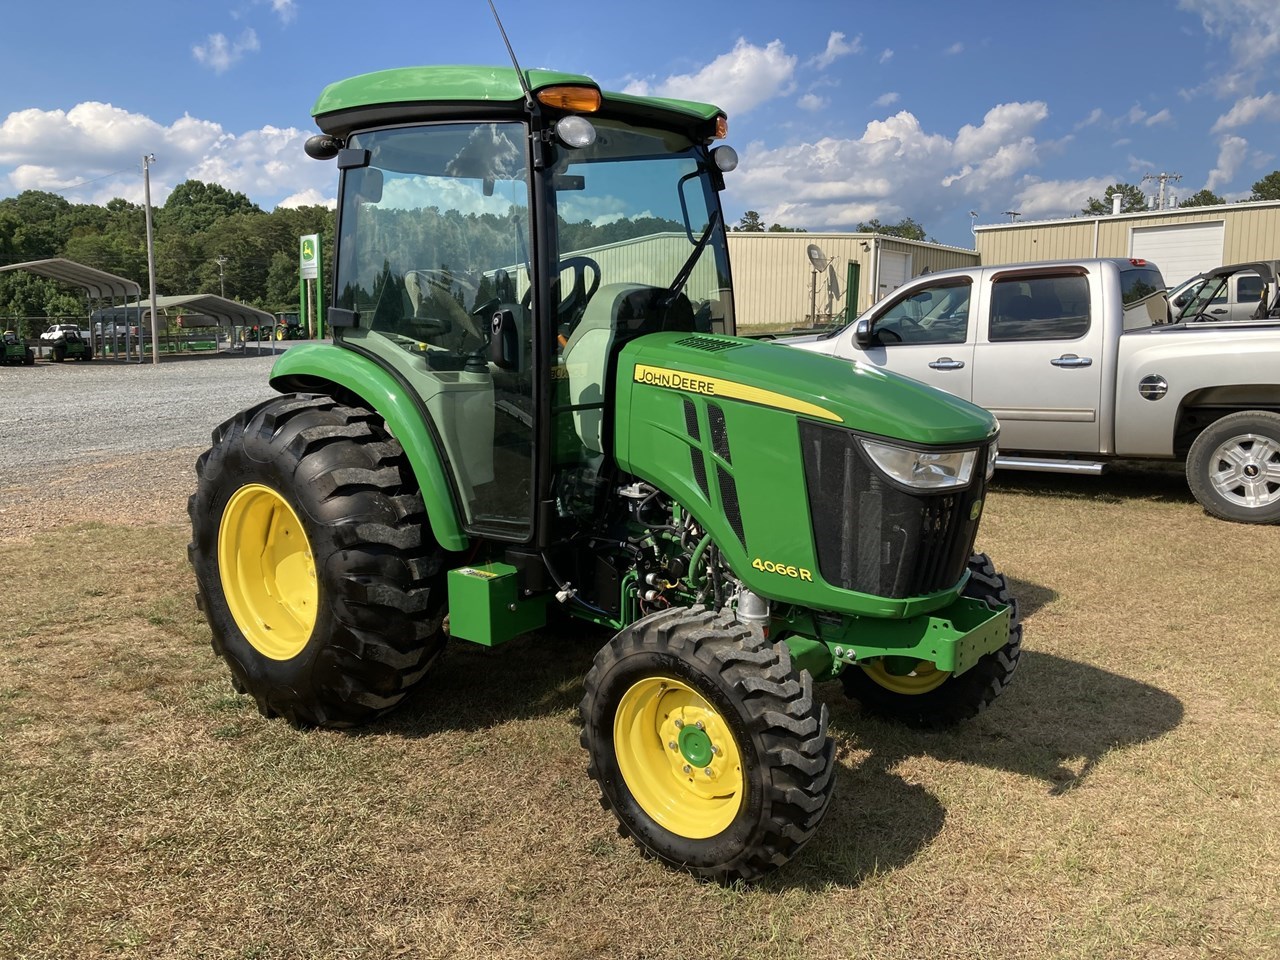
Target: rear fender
(324,368)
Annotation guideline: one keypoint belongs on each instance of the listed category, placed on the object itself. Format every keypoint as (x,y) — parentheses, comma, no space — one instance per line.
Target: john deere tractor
(70,345)
(534,411)
(14,351)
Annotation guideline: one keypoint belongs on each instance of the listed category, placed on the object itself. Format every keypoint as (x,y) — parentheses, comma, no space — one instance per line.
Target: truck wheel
(1233,468)
(314,563)
(59,354)
(707,744)
(923,696)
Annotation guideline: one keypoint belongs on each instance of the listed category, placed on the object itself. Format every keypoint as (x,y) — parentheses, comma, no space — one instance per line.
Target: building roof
(1135,215)
(207,303)
(97,283)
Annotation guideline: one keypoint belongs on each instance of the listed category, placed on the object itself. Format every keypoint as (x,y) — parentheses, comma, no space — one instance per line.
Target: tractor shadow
(1054,725)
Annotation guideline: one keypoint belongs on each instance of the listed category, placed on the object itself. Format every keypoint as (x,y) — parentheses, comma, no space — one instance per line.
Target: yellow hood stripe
(717,387)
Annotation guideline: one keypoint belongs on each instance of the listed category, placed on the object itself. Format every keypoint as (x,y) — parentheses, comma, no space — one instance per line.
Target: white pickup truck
(1080,363)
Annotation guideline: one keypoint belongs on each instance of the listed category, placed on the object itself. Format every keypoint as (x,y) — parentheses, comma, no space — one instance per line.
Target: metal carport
(97,284)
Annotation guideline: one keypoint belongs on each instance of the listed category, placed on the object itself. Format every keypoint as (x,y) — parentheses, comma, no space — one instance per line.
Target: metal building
(1181,242)
(776,283)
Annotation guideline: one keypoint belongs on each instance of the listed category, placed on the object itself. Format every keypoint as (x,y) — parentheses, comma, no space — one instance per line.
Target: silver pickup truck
(1080,363)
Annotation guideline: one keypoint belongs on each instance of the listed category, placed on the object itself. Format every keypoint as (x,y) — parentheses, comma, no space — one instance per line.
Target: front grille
(872,535)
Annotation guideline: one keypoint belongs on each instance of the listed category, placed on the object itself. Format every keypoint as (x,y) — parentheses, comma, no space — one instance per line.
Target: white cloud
(93,152)
(886,55)
(286,10)
(736,81)
(220,54)
(836,48)
(1042,199)
(1247,110)
(1137,163)
(886,99)
(1250,26)
(1163,116)
(1231,154)
(1095,116)
(836,183)
(310,197)
(811,102)
(955,48)
(1136,114)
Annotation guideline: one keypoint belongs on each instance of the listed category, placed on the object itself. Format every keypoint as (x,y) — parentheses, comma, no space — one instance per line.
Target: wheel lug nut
(688,769)
(679,724)
(707,771)
(699,725)
(672,745)
(715,750)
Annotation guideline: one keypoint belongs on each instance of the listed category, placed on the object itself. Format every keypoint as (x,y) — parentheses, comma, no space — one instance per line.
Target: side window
(1248,289)
(938,314)
(1039,308)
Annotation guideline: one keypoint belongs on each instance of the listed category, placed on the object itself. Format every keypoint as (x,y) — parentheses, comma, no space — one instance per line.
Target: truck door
(923,332)
(1039,358)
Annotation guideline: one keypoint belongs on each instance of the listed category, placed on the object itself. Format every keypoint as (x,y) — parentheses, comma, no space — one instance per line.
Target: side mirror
(1180,301)
(862,335)
(504,341)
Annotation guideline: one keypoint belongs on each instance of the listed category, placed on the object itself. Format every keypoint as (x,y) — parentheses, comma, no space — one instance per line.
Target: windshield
(1213,290)
(637,209)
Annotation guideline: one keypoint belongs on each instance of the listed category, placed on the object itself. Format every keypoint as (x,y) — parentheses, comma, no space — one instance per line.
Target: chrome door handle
(1071,360)
(946,363)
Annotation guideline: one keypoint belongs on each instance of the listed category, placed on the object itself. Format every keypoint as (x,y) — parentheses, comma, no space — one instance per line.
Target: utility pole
(147,160)
(222,286)
(1163,178)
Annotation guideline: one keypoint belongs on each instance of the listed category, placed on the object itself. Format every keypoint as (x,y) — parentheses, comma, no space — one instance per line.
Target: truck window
(1248,288)
(1142,297)
(936,314)
(1039,308)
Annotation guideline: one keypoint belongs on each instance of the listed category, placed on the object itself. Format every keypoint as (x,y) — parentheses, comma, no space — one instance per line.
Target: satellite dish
(817,257)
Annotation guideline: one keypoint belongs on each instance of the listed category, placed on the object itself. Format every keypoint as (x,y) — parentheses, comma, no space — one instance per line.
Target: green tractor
(13,351)
(535,412)
(289,327)
(70,345)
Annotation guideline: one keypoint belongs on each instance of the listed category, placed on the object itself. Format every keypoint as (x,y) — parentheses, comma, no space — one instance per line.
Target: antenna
(524,84)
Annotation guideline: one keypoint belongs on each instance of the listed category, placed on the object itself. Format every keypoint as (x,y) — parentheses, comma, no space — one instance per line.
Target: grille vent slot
(709,344)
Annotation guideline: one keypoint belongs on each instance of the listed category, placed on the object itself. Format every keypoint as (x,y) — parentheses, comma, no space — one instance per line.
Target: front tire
(707,744)
(314,564)
(1233,467)
(924,696)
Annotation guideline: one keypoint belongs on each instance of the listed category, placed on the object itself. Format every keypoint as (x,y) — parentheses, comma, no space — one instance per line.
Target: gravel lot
(111,441)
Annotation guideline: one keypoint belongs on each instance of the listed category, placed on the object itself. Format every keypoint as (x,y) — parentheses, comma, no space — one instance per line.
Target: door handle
(1071,360)
(1219,310)
(946,363)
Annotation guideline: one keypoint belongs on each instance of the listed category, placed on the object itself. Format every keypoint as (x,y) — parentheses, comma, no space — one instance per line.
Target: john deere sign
(309,257)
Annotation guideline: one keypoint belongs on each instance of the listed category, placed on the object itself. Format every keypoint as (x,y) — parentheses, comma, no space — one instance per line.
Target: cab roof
(449,90)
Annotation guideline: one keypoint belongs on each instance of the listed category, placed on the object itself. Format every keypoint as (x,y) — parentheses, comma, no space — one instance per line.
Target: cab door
(1039,359)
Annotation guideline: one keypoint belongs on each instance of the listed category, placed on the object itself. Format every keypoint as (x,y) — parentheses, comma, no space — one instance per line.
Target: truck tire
(59,353)
(707,744)
(931,698)
(1233,467)
(314,563)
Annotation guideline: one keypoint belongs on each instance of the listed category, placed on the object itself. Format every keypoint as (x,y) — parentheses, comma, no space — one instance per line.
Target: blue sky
(841,111)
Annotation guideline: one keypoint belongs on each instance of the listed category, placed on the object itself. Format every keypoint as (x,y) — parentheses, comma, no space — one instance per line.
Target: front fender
(322,367)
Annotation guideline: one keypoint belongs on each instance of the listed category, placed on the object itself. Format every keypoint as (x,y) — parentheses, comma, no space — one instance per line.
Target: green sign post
(309,270)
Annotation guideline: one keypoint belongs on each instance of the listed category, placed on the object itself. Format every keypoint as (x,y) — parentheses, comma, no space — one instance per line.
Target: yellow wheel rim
(268,573)
(678,757)
(924,676)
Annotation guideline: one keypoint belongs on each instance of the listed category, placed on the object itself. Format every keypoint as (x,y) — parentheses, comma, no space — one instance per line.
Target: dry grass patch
(1118,802)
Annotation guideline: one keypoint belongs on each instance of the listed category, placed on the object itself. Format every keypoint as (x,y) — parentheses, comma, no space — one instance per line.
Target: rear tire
(1233,467)
(707,744)
(930,699)
(59,354)
(314,562)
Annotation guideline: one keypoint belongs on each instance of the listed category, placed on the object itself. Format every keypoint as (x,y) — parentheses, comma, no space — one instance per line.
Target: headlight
(993,451)
(923,469)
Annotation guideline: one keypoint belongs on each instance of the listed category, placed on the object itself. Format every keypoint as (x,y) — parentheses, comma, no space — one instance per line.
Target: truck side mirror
(504,341)
(862,335)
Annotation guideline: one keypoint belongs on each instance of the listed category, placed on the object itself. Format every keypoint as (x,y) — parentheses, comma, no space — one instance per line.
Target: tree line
(208,239)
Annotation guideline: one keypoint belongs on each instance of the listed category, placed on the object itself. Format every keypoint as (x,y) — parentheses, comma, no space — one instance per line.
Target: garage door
(1180,251)
(895,270)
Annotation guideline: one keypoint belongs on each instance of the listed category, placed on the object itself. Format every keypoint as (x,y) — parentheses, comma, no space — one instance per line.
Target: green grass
(1118,802)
